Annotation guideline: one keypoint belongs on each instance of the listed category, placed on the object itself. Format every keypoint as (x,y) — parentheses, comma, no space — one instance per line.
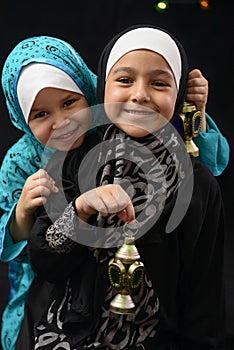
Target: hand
(106,200)
(36,189)
(197,92)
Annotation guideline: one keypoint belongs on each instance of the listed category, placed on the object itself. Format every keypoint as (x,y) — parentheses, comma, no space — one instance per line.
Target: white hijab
(151,39)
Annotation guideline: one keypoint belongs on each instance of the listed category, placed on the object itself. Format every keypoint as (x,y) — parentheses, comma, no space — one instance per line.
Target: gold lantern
(191,120)
(125,272)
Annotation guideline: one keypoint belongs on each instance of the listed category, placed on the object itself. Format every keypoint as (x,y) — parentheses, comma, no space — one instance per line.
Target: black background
(207,37)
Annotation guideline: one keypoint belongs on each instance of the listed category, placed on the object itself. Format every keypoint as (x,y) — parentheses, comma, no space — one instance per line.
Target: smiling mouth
(139,112)
(68,136)
(138,115)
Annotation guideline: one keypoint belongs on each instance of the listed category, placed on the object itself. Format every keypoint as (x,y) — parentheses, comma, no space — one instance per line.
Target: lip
(138,114)
(67,137)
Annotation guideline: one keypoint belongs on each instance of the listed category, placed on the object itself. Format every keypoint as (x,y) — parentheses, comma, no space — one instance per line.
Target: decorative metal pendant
(125,272)
(191,125)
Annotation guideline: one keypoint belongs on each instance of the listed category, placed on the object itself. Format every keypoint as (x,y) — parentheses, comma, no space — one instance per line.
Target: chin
(133,131)
(77,143)
(68,146)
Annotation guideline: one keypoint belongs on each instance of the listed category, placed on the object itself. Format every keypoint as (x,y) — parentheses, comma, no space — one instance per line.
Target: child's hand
(197,92)
(107,200)
(36,189)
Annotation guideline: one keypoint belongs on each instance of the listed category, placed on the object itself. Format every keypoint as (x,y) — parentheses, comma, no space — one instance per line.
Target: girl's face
(55,121)
(144,86)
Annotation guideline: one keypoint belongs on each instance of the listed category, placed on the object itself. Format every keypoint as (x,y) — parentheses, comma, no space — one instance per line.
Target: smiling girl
(46,83)
(143,74)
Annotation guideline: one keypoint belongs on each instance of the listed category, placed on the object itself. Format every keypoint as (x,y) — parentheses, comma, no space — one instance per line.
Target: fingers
(47,181)
(128,214)
(197,89)
(197,82)
(195,73)
(115,200)
(36,189)
(106,200)
(41,180)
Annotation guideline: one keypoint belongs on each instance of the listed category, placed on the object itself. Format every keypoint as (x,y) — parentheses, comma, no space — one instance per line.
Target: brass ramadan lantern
(125,272)
(191,125)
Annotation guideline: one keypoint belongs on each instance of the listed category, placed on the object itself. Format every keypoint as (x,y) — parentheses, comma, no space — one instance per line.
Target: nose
(60,119)
(140,93)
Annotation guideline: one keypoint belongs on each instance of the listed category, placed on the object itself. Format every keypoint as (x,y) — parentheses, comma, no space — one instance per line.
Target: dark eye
(125,80)
(158,83)
(40,115)
(69,102)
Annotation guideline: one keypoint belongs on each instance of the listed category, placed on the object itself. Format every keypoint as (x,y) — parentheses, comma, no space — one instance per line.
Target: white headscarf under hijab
(37,76)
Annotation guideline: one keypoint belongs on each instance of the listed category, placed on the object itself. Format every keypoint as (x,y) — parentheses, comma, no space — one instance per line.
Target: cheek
(41,132)
(82,118)
(113,94)
(112,111)
(168,106)
(112,102)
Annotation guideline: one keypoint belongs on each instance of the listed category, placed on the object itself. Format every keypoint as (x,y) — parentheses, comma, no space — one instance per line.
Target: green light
(161,6)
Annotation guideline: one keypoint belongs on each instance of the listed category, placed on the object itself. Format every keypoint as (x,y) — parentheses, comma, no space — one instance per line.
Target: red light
(204,4)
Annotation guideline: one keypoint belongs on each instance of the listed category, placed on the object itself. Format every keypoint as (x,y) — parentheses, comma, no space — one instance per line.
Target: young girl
(180,302)
(46,83)
(20,180)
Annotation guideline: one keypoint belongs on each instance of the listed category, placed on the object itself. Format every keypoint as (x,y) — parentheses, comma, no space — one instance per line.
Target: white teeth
(138,112)
(65,135)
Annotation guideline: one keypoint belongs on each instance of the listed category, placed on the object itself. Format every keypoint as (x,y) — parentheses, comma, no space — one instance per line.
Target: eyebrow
(126,69)
(123,69)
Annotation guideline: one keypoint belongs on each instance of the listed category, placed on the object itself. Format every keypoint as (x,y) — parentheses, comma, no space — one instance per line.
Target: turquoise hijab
(24,157)
(48,50)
